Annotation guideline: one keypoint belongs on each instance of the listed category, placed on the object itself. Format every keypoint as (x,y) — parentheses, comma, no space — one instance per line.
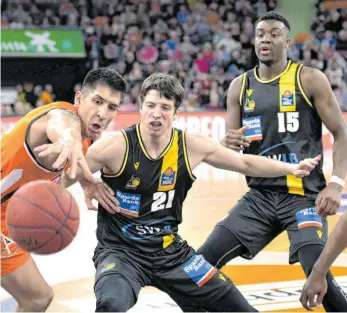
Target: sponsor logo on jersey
(320,234)
(308,218)
(168,177)
(135,231)
(249,92)
(249,106)
(199,270)
(254,132)
(287,99)
(129,203)
(109,265)
(133,183)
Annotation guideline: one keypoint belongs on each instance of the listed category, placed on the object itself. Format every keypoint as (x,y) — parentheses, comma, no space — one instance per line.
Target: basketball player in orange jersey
(71,127)
(149,168)
(280,106)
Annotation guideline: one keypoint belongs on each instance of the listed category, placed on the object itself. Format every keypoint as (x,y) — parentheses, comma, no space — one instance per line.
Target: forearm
(336,243)
(340,153)
(258,166)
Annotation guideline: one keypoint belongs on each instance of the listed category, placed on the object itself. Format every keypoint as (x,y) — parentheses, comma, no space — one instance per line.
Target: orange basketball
(42,220)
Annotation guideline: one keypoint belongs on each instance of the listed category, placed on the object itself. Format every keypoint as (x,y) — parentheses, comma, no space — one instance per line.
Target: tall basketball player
(71,127)
(281,106)
(149,167)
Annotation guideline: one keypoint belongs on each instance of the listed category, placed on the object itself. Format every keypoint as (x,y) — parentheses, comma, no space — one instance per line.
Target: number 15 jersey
(151,194)
(283,125)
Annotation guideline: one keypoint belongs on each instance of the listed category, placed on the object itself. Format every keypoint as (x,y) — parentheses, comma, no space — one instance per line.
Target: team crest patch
(287,99)
(249,106)
(133,183)
(199,270)
(168,177)
(308,218)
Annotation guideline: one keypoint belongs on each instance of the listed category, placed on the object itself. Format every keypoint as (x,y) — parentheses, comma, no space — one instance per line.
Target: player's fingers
(62,158)
(243,128)
(319,299)
(89,204)
(311,300)
(82,163)
(109,190)
(73,167)
(304,303)
(46,152)
(111,205)
(323,207)
(43,147)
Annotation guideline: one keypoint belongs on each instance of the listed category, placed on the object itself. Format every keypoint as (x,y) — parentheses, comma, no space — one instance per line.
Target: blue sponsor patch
(199,270)
(308,218)
(129,203)
(254,131)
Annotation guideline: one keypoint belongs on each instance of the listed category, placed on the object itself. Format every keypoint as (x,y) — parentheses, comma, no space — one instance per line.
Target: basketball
(41,219)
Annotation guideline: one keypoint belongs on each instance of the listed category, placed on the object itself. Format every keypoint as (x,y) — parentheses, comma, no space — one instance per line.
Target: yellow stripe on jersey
(287,92)
(272,79)
(295,185)
(169,167)
(242,88)
(300,86)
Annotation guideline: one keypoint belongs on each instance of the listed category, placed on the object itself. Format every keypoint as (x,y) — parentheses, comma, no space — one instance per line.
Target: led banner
(42,43)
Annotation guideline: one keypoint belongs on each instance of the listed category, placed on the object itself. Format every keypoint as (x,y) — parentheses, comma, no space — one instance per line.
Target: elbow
(340,134)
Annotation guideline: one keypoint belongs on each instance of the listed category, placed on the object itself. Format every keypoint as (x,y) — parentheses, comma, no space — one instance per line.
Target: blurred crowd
(206,44)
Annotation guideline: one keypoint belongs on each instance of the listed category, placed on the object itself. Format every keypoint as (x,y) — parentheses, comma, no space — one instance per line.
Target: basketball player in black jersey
(149,168)
(276,111)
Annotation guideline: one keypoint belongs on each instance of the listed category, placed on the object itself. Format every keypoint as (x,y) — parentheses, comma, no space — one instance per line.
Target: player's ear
(288,41)
(78,98)
(177,111)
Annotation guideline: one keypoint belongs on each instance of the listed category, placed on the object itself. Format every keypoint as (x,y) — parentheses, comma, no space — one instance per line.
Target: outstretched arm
(317,86)
(203,149)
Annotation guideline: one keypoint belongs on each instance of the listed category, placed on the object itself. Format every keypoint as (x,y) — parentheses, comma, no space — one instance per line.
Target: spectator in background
(46,95)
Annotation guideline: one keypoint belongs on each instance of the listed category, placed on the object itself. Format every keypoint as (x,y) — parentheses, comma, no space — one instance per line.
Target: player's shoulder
(312,79)
(199,143)
(308,73)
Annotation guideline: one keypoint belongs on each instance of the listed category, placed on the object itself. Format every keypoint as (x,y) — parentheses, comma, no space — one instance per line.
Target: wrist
(317,270)
(337,182)
(291,168)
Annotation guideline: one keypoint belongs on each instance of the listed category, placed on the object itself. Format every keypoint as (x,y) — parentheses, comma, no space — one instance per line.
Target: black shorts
(177,270)
(261,215)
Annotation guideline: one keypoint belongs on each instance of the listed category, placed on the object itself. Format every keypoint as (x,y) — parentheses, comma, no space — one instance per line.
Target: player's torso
(284,125)
(151,193)
(18,162)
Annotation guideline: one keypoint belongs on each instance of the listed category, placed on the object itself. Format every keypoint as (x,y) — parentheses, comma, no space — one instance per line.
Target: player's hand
(67,150)
(305,167)
(235,139)
(102,193)
(314,290)
(328,200)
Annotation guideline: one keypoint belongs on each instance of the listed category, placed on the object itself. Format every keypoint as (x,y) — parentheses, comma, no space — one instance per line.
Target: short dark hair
(105,76)
(272,15)
(167,86)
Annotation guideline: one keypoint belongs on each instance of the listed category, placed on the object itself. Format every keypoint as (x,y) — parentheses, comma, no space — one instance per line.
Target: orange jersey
(18,163)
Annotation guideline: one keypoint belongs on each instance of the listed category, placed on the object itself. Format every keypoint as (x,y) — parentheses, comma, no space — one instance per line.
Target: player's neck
(268,72)
(155,145)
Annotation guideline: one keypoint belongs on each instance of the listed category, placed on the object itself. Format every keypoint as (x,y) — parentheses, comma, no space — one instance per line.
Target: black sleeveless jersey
(151,194)
(283,125)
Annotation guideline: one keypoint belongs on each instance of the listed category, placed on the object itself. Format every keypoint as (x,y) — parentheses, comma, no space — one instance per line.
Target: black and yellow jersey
(151,193)
(284,125)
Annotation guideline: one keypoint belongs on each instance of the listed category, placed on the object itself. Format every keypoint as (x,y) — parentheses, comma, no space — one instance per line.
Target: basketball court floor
(268,282)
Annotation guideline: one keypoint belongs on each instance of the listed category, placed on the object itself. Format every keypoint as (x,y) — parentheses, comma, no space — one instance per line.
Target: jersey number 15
(288,121)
